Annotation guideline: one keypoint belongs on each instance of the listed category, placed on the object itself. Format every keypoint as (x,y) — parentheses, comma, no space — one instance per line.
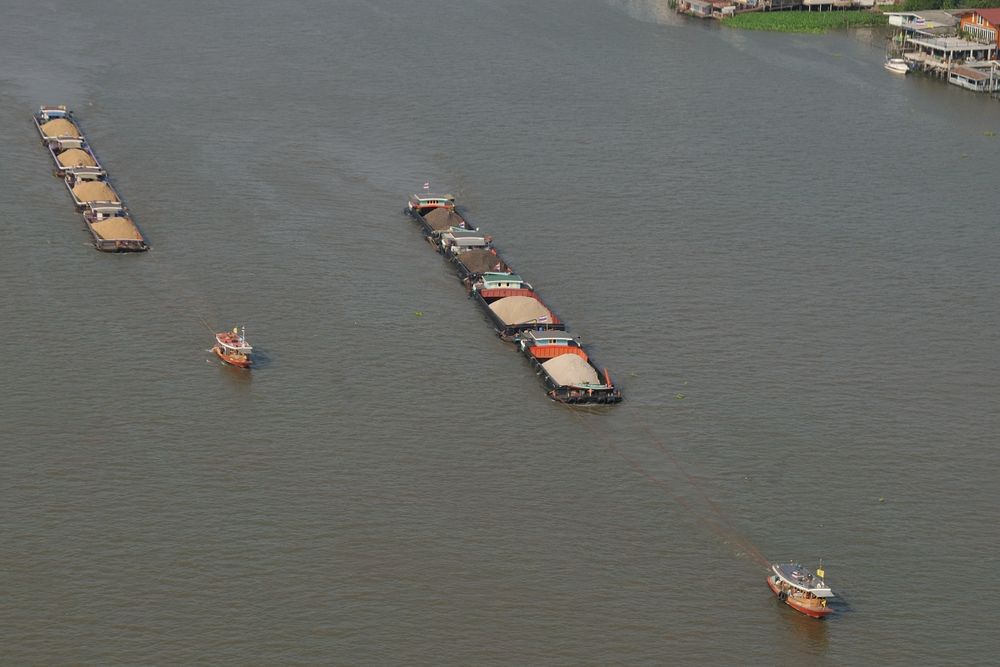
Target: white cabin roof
(547,335)
(802,578)
(232,341)
(427,197)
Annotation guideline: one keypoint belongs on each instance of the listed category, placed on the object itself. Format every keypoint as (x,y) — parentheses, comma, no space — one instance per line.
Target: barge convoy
(514,308)
(105,215)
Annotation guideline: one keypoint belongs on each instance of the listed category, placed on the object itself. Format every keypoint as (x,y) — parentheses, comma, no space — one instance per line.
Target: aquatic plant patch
(796,21)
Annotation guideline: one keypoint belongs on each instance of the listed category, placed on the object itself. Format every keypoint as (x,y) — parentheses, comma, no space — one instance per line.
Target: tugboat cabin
(421,204)
(495,280)
(84,173)
(99,209)
(232,348)
(800,588)
(548,343)
(494,285)
(465,240)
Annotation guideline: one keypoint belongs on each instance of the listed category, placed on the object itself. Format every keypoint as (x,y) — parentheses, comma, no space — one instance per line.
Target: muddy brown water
(787,257)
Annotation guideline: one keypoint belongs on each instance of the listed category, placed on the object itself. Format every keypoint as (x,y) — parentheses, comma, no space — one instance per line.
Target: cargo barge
(113,230)
(88,184)
(568,371)
(512,306)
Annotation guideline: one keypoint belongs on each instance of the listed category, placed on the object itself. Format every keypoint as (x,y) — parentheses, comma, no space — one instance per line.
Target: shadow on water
(261,358)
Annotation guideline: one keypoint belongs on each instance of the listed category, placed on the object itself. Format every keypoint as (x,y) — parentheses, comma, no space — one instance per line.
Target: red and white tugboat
(233,349)
(800,588)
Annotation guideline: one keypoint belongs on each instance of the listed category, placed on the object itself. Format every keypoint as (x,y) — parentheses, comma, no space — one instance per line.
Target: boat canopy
(75,157)
(548,337)
(467,242)
(428,199)
(499,276)
(53,112)
(797,576)
(104,208)
(59,127)
(459,232)
(86,173)
(514,310)
(441,219)
(234,342)
(94,191)
(569,370)
(493,280)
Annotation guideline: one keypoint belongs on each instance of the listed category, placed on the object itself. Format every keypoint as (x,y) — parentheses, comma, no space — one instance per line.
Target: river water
(786,256)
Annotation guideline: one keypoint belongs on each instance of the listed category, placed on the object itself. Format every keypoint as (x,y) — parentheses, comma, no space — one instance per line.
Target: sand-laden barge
(104,213)
(516,311)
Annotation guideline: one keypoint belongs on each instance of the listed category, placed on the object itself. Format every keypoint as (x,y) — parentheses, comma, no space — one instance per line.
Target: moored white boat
(897,65)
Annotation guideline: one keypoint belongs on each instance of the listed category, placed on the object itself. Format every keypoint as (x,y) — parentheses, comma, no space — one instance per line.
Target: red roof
(991,15)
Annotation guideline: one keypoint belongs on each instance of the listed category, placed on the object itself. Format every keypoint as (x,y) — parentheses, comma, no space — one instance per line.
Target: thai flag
(543,318)
(427,186)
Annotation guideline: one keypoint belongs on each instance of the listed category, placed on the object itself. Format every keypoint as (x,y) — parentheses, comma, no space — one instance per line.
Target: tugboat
(800,588)
(233,348)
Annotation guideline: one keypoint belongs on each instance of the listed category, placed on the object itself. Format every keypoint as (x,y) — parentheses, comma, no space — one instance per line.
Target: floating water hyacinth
(815,22)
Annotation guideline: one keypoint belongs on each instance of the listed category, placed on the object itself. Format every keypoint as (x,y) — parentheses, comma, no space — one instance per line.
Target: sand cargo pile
(104,213)
(517,312)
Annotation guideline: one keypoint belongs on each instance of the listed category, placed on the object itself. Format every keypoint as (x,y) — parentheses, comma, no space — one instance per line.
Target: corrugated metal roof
(992,15)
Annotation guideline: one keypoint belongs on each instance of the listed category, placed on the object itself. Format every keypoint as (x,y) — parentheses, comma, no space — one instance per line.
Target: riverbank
(805,22)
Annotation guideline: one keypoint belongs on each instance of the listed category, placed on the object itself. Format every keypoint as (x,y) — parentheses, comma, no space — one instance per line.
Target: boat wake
(683,488)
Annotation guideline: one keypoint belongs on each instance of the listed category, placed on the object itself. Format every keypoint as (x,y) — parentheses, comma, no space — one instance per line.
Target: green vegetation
(795,21)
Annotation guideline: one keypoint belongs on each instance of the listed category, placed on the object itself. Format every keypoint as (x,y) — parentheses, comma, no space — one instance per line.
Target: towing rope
(716,519)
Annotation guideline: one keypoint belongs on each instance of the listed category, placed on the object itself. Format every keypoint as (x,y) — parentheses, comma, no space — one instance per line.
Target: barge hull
(510,332)
(573,395)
